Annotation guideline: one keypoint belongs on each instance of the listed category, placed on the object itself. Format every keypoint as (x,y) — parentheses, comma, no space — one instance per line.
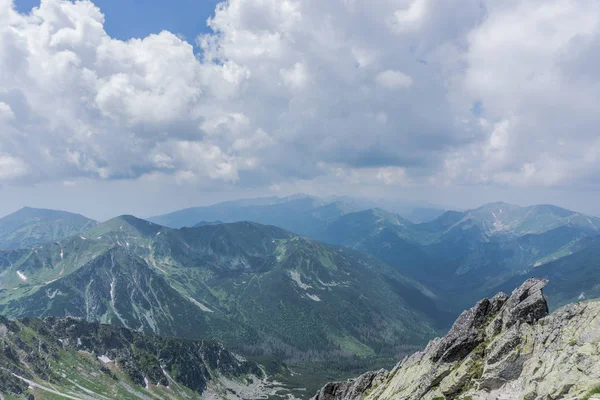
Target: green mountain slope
(258,288)
(465,255)
(72,359)
(574,277)
(31,226)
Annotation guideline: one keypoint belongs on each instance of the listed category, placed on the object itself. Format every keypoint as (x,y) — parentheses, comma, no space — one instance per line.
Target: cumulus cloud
(305,89)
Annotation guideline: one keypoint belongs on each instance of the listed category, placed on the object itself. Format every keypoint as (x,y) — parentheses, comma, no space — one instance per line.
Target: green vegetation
(31,227)
(592,392)
(259,289)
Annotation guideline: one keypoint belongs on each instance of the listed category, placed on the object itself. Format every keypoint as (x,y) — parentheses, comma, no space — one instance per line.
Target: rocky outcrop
(60,355)
(507,347)
(352,389)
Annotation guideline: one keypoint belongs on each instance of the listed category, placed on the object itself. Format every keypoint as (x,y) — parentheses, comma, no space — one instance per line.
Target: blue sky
(127,19)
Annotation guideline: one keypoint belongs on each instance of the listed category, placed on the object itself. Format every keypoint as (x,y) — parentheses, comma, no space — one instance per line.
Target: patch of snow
(62,255)
(200,305)
(295,275)
(83,238)
(112,302)
(332,284)
(22,276)
(581,296)
(313,297)
(157,233)
(147,383)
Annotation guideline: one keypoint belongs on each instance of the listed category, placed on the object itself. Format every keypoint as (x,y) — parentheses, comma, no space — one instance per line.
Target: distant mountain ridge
(461,254)
(298,213)
(33,226)
(258,288)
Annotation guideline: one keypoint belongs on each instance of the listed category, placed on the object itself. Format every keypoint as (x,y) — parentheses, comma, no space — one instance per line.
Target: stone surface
(507,347)
(353,389)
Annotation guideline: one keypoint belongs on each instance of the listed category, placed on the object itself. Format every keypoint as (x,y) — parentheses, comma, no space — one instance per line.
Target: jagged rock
(353,389)
(466,333)
(42,350)
(527,304)
(502,348)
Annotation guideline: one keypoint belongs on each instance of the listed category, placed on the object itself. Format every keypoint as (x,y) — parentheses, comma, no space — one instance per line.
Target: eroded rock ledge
(506,347)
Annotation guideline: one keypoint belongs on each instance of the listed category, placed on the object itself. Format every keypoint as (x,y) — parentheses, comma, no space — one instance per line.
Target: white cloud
(283,87)
(391,79)
(6,113)
(11,167)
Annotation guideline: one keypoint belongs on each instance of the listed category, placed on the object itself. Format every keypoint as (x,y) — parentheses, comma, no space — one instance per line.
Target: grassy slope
(260,289)
(30,227)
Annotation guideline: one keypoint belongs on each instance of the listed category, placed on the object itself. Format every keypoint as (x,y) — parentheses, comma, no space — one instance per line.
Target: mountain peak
(127,223)
(33,226)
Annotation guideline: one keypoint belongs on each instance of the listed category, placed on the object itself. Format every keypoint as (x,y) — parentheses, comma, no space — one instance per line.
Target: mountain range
(460,255)
(260,289)
(323,284)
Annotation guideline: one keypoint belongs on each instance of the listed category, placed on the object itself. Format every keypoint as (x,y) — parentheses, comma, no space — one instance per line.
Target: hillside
(575,277)
(463,256)
(73,359)
(258,288)
(32,226)
(506,347)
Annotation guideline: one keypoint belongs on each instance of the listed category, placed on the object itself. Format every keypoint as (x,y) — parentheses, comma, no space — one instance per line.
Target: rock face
(507,347)
(74,359)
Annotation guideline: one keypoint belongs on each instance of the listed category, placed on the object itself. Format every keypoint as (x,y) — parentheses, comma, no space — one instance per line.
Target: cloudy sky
(143,107)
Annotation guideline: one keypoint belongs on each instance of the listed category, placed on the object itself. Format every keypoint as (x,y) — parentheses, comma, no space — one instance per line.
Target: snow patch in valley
(296,278)
(313,297)
(200,305)
(21,276)
(83,238)
(332,284)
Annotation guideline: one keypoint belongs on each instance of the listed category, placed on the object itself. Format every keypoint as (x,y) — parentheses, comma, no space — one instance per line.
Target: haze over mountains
(463,255)
(312,282)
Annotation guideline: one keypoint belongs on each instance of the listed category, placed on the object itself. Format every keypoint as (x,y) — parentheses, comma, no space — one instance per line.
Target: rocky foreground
(67,358)
(507,347)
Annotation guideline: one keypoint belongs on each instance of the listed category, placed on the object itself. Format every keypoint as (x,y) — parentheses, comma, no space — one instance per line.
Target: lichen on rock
(505,347)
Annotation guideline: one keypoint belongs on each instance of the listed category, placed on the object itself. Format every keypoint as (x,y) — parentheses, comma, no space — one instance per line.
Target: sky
(143,107)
